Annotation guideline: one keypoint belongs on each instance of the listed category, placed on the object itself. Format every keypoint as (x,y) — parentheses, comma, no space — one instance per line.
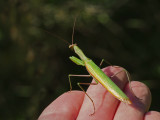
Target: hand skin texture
(75,105)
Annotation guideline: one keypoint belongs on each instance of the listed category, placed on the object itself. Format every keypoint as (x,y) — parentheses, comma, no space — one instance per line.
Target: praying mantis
(98,75)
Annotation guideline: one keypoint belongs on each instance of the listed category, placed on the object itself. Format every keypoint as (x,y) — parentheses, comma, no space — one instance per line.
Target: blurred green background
(34,65)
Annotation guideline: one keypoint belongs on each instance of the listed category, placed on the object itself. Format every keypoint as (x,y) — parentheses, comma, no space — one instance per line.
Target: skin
(75,105)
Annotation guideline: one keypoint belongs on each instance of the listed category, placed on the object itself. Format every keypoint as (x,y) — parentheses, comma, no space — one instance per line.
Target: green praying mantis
(98,75)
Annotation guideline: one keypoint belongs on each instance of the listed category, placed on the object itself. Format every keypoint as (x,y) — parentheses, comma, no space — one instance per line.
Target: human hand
(76,105)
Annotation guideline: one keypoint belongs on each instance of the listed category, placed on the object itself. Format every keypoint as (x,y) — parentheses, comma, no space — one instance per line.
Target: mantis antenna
(73,29)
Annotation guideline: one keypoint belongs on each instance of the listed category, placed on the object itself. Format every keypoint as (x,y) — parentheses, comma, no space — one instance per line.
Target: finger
(105,102)
(139,105)
(152,115)
(65,107)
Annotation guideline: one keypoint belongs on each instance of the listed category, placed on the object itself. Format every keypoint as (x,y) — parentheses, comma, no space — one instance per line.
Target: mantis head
(72,46)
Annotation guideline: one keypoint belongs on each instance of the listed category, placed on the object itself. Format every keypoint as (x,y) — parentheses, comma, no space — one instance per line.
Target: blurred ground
(34,65)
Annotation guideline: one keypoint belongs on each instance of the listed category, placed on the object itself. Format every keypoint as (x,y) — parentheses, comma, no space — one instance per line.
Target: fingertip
(141,95)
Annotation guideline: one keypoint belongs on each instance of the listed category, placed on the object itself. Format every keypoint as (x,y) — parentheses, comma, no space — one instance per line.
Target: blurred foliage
(34,65)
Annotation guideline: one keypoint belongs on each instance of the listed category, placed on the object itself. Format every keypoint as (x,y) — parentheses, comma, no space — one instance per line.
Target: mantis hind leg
(79,84)
(127,73)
